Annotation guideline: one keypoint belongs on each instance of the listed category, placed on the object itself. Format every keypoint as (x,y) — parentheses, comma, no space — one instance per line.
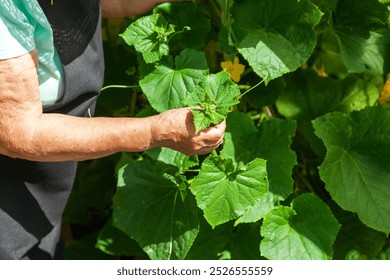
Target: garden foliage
(304,171)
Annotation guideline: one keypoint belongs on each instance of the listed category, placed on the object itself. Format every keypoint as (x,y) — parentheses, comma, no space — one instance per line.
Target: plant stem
(193,170)
(185,28)
(255,86)
(117,86)
(269,112)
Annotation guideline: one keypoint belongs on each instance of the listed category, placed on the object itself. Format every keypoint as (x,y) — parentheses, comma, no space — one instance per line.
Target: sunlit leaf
(215,94)
(225,191)
(271,141)
(275,36)
(304,231)
(149,36)
(168,85)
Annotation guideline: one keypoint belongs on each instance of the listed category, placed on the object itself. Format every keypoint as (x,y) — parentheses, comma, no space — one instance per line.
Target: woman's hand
(175,129)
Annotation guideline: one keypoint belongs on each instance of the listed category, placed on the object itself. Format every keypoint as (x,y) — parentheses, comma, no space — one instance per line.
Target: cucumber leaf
(364,36)
(168,84)
(271,141)
(155,209)
(149,36)
(225,191)
(215,94)
(356,170)
(304,231)
(275,36)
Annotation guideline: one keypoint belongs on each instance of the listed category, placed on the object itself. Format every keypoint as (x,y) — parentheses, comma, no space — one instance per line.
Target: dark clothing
(33,194)
(77,38)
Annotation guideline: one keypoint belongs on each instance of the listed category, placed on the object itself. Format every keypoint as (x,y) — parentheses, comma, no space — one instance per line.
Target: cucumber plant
(303,172)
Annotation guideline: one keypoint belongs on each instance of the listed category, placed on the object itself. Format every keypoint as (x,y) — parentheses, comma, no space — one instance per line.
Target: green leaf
(355,255)
(304,231)
(244,142)
(308,96)
(167,85)
(240,242)
(215,94)
(226,6)
(356,170)
(85,249)
(114,242)
(224,191)
(152,210)
(210,242)
(172,157)
(260,208)
(182,15)
(356,236)
(149,36)
(244,243)
(275,36)
(327,57)
(225,33)
(385,255)
(364,36)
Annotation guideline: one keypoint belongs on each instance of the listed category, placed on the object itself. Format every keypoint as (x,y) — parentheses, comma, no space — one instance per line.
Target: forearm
(55,137)
(27,133)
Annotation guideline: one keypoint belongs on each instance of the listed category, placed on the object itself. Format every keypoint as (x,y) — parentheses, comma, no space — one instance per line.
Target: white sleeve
(16,32)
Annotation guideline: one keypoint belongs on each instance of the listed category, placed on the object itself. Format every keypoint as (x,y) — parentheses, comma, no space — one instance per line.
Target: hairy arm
(122,8)
(26,132)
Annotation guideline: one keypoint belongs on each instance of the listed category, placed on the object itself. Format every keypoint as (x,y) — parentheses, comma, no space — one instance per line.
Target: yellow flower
(385,94)
(235,70)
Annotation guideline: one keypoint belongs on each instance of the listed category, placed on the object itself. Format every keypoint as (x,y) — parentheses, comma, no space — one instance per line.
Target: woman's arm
(26,132)
(122,8)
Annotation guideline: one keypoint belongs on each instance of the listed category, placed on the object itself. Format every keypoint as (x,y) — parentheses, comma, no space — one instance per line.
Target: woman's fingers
(175,129)
(214,134)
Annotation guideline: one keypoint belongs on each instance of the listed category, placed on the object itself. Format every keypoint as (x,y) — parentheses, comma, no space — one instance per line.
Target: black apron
(33,194)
